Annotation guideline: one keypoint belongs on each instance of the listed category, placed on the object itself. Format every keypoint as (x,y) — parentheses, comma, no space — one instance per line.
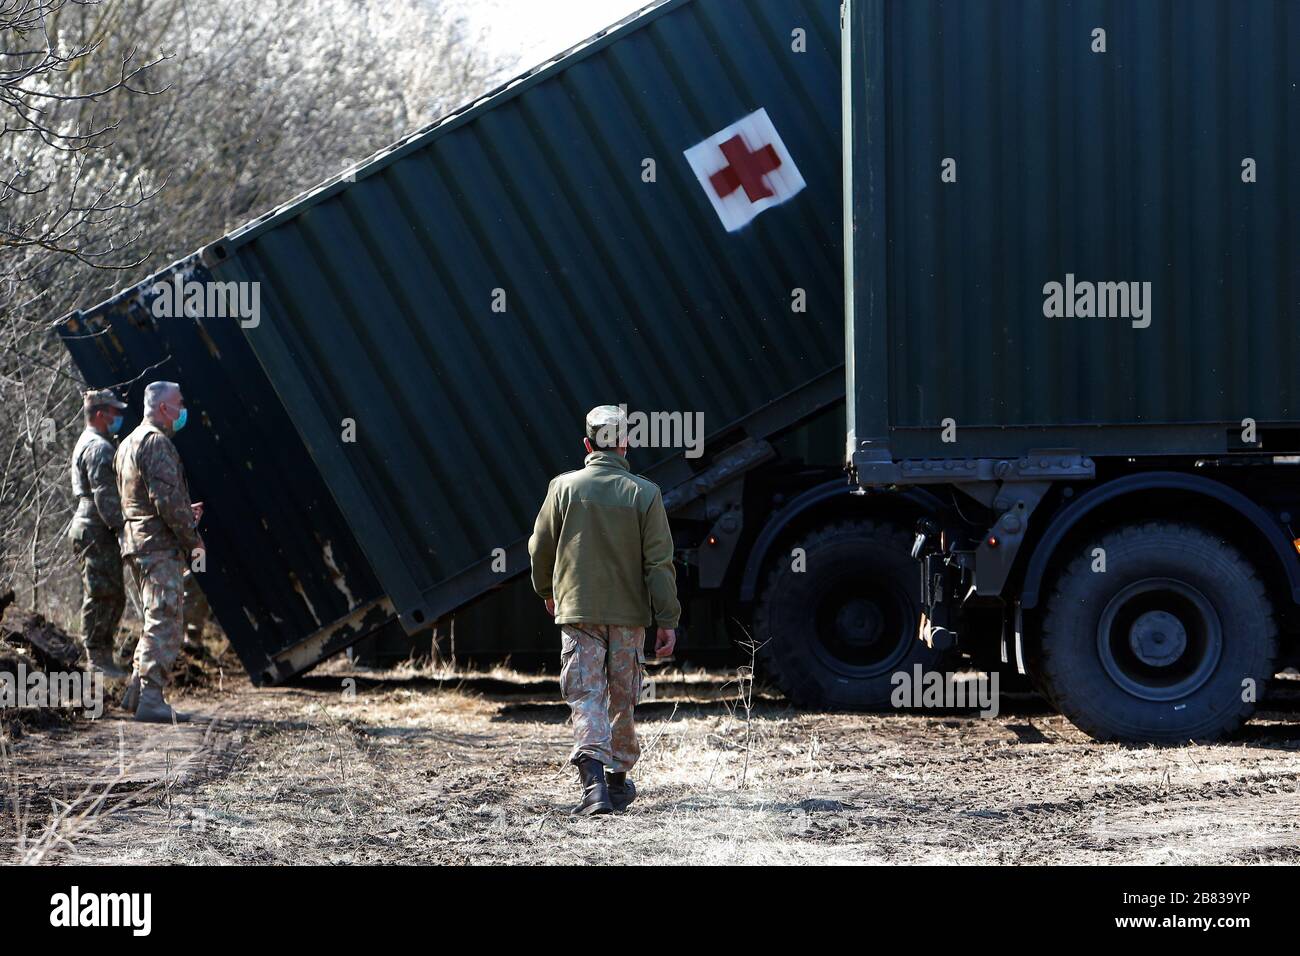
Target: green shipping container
(1074,225)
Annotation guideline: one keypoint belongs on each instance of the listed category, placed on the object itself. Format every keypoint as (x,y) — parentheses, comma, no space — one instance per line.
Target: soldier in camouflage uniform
(94,529)
(159,538)
(602,560)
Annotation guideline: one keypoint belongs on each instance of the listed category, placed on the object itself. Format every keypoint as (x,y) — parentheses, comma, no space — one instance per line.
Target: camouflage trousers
(600,677)
(103,596)
(196,615)
(158,575)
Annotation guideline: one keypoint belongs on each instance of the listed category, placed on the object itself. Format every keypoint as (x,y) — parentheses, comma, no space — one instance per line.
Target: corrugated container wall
(285,576)
(376,306)
(461,305)
(1002,145)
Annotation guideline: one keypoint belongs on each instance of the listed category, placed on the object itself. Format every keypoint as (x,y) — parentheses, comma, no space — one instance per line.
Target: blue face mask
(115,425)
(180,420)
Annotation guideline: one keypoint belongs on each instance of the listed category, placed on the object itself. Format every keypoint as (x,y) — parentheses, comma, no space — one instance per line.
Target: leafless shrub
(133,131)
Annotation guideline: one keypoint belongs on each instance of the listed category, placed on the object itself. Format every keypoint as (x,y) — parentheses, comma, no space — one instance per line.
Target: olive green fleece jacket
(602,548)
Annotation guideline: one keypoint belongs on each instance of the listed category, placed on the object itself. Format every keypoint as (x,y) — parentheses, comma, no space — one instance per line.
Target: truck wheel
(840,616)
(1173,642)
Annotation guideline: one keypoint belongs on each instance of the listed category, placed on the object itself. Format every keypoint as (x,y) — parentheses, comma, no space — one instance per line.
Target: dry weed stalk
(743,707)
(97,801)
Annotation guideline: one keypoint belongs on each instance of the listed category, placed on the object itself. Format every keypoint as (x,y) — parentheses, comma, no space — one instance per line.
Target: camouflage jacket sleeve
(542,545)
(103,483)
(160,467)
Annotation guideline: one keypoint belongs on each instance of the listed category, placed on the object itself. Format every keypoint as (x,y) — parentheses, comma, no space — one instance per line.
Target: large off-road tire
(1172,642)
(833,633)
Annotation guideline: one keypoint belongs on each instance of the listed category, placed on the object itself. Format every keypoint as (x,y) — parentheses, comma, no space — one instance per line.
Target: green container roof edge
(417,140)
(220,248)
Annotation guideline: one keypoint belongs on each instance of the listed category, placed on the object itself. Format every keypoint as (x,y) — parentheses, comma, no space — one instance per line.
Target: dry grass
(425,766)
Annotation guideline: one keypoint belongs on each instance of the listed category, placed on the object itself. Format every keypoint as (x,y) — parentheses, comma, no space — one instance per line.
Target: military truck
(1073,300)
(653,218)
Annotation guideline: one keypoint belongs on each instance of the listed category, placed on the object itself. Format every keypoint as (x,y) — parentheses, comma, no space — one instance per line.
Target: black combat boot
(152,709)
(595,794)
(622,791)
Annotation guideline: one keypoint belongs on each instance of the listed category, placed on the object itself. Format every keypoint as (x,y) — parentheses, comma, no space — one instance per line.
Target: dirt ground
(422,767)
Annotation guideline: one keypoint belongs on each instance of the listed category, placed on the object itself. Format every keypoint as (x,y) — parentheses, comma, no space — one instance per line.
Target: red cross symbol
(746,170)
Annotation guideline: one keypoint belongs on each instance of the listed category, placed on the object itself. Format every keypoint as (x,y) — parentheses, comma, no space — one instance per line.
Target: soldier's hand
(550,606)
(665,641)
(197,508)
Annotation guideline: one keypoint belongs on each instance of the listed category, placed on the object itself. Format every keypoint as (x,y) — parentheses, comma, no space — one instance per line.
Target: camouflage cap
(94,397)
(606,425)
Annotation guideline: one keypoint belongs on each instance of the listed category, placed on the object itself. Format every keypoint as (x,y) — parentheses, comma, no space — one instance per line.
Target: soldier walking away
(602,560)
(94,529)
(159,536)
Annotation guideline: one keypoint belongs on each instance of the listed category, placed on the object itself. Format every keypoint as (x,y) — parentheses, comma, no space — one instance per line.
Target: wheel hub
(858,623)
(1157,638)
(863,627)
